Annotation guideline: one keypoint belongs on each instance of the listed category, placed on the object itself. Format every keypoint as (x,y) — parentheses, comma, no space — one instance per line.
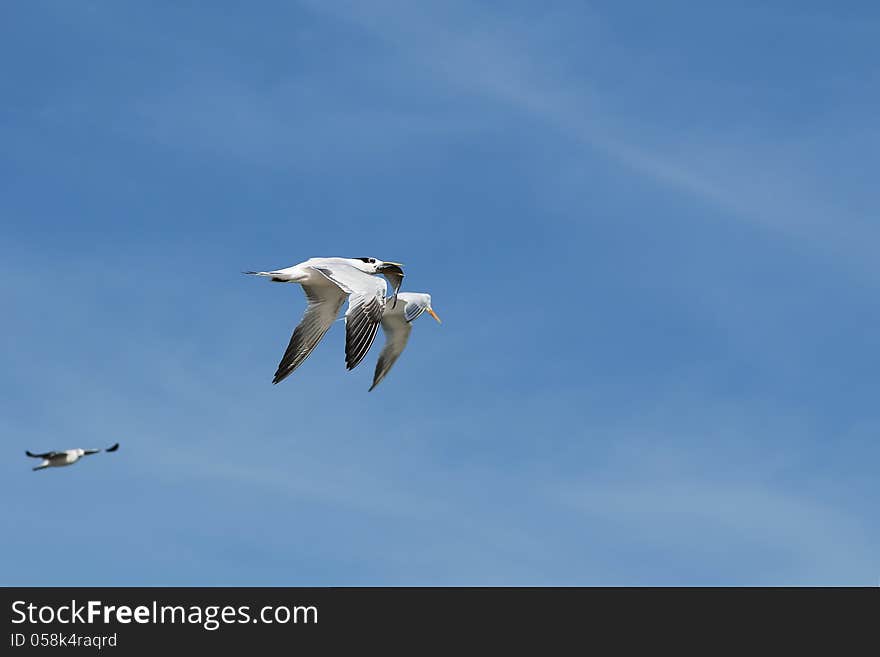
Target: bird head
(429,309)
(431,312)
(392,271)
(376,266)
(417,303)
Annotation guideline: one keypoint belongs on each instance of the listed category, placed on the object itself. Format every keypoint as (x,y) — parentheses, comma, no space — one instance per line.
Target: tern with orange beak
(397,325)
(326,283)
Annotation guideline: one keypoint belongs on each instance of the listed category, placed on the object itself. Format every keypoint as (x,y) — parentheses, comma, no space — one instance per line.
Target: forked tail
(274,276)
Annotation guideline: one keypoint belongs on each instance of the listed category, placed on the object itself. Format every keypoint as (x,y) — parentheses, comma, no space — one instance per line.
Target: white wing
(325,299)
(366,303)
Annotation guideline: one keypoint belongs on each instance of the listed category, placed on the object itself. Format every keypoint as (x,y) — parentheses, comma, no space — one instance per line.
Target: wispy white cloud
(778,187)
(507,486)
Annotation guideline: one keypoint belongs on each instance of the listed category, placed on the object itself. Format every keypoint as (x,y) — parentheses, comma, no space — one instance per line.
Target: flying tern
(326,283)
(66,457)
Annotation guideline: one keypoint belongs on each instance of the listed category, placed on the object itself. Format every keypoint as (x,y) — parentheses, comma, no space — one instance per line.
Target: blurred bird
(66,457)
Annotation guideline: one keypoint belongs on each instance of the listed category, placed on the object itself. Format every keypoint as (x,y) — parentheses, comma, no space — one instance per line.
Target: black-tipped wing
(44,455)
(361,325)
(366,303)
(112,447)
(396,329)
(325,299)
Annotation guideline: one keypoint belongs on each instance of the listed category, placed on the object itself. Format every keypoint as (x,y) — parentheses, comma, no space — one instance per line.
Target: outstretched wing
(362,323)
(45,455)
(366,303)
(112,447)
(325,299)
(396,329)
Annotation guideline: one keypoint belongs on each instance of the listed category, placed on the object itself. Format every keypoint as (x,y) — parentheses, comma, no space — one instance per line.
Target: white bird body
(326,283)
(306,272)
(65,457)
(397,322)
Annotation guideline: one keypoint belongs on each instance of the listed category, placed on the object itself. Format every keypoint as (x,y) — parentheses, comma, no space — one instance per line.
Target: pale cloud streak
(777,187)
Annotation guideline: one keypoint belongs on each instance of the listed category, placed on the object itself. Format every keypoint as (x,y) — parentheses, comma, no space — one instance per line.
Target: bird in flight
(66,457)
(326,283)
(397,325)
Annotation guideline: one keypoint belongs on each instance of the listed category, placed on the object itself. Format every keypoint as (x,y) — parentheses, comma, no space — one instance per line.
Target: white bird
(66,457)
(326,283)
(397,324)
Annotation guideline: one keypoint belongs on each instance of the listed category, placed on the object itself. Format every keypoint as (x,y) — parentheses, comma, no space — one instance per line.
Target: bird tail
(275,276)
(40,467)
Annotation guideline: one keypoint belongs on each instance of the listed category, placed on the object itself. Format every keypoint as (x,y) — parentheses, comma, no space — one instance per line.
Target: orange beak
(434,315)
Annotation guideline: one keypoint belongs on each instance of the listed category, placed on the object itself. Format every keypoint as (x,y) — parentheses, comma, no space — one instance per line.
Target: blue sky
(650,231)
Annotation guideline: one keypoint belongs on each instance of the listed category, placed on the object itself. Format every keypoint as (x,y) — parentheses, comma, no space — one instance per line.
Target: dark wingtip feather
(280,375)
(360,332)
